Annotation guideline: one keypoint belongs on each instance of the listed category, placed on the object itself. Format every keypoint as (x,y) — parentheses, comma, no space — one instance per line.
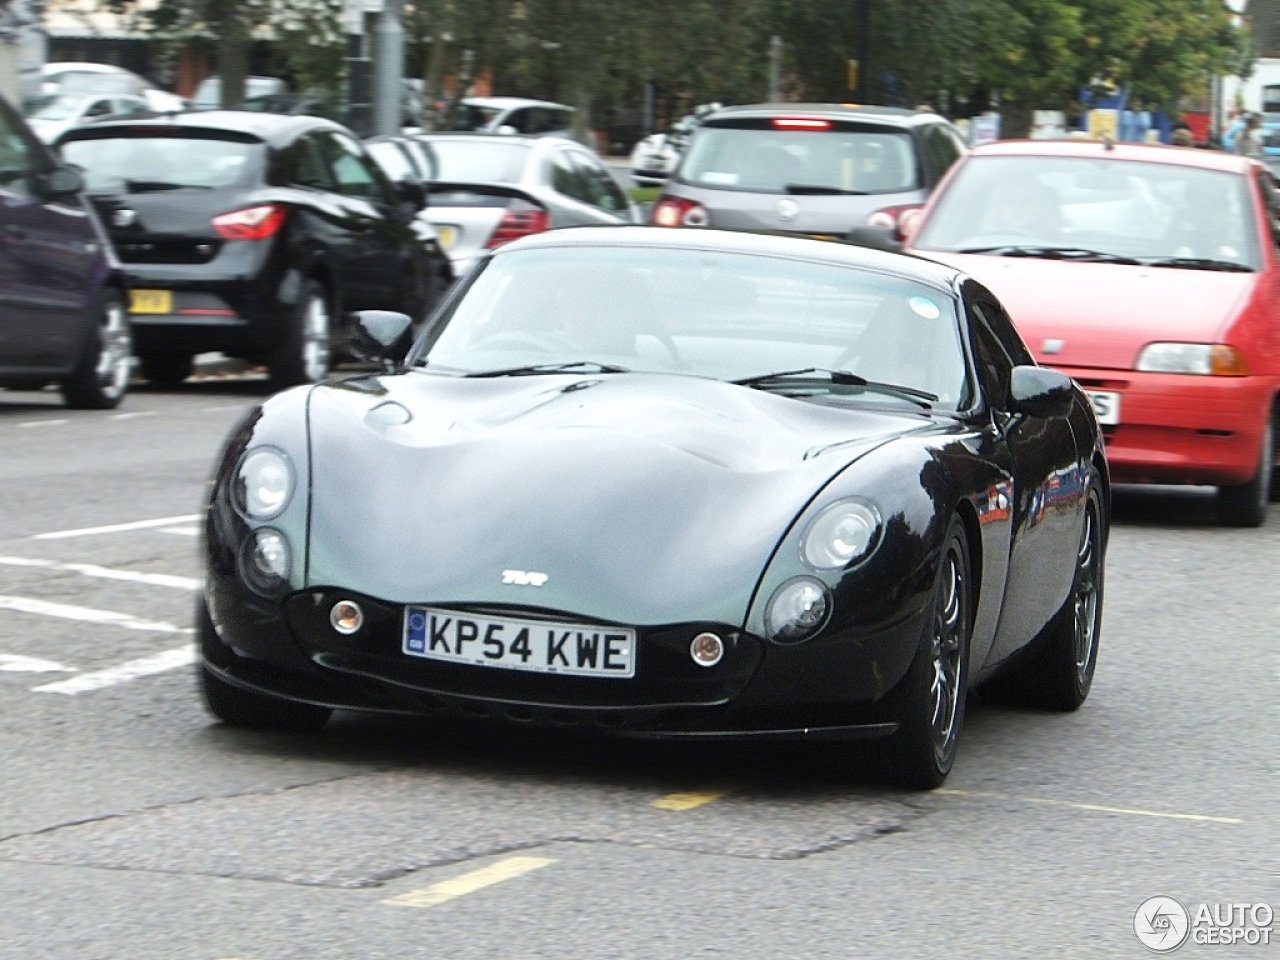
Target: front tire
(1245,505)
(928,705)
(100,379)
(305,355)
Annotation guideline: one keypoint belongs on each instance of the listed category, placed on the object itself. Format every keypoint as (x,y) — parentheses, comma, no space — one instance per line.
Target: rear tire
(305,355)
(928,704)
(166,369)
(100,379)
(1246,505)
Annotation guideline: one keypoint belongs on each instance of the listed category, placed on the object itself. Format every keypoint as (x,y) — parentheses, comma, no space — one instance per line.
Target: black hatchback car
(254,235)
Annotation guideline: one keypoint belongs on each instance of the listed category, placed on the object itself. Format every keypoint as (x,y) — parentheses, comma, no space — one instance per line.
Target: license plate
(537,646)
(1106,406)
(446,237)
(151,301)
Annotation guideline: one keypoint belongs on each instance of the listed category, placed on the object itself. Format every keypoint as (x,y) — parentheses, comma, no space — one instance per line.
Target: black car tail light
(250,223)
(521,219)
(678,212)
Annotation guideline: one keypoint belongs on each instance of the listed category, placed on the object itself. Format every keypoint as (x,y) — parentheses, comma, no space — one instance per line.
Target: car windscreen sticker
(925,307)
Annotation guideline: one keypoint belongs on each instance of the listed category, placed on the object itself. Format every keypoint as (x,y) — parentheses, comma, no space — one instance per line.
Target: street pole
(388,93)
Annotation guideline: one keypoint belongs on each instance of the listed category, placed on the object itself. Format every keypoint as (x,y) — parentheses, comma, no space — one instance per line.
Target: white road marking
(1090,807)
(161,662)
(469,882)
(106,573)
(133,416)
(15,663)
(43,423)
(117,527)
(182,531)
(66,611)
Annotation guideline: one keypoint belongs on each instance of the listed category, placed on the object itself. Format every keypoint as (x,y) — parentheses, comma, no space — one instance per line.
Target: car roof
(511,102)
(273,128)
(848,112)
(1144,152)
(740,241)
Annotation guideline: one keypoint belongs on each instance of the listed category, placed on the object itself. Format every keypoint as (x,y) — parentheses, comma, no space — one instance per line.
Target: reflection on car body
(674,484)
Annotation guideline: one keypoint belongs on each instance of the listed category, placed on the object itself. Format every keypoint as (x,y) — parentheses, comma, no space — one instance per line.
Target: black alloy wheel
(305,355)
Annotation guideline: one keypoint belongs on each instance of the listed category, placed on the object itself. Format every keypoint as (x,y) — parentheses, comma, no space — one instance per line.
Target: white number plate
(534,645)
(1106,406)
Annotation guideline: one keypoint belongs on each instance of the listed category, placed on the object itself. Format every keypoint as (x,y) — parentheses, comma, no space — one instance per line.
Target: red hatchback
(1151,275)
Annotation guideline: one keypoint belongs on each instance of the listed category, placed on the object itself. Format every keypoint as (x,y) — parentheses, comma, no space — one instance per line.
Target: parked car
(1150,275)
(50,115)
(83,76)
(254,235)
(810,168)
(512,115)
(668,483)
(486,189)
(208,92)
(655,156)
(62,299)
(406,161)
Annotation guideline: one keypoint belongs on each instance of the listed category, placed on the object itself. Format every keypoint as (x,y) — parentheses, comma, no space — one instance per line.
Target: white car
(653,159)
(50,115)
(85,76)
(513,115)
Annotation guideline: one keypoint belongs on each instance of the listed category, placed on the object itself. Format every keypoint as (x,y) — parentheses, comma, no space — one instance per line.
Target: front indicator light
(265,561)
(1200,359)
(346,617)
(706,649)
(797,610)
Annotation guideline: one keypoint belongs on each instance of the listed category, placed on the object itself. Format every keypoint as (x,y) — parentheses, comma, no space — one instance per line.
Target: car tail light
(678,212)
(801,123)
(521,219)
(250,223)
(900,219)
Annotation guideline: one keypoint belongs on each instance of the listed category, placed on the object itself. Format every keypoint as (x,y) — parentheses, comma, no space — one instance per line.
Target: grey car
(819,169)
(486,189)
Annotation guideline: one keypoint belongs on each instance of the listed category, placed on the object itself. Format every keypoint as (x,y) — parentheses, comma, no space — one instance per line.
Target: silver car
(812,168)
(486,189)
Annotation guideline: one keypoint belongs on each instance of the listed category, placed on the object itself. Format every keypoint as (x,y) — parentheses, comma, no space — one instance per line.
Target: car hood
(1101,315)
(643,498)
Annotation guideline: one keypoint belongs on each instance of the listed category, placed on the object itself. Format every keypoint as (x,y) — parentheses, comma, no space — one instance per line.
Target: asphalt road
(132,826)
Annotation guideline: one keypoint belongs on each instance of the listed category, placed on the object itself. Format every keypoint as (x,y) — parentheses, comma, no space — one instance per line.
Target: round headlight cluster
(265,561)
(263,483)
(842,534)
(797,609)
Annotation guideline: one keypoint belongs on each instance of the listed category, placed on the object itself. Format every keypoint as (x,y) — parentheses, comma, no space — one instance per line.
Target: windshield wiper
(530,370)
(816,190)
(1198,263)
(840,378)
(1055,253)
(150,186)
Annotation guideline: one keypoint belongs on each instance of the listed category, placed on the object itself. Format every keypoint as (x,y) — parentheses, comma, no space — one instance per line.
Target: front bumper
(1182,428)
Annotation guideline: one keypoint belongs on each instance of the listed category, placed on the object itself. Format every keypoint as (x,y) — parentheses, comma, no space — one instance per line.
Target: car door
(1044,497)
(49,251)
(380,260)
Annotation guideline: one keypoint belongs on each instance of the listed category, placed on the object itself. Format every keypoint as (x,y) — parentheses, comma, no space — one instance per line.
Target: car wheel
(928,705)
(1245,505)
(166,369)
(305,354)
(245,708)
(101,377)
(1059,670)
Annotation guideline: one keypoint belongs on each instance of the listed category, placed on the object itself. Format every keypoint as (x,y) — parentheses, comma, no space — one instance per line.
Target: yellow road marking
(469,882)
(1092,807)
(687,801)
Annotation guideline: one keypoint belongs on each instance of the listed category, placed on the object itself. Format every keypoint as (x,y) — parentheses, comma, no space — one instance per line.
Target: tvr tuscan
(668,483)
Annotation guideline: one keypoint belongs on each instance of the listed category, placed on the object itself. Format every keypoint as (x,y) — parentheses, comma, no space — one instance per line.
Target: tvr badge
(524,578)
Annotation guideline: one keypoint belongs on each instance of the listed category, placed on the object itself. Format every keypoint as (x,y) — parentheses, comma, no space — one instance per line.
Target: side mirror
(874,236)
(411,192)
(381,336)
(507,130)
(1040,392)
(61,181)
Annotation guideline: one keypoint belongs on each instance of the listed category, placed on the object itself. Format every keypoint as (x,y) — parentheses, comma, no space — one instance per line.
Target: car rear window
(163,162)
(491,161)
(764,159)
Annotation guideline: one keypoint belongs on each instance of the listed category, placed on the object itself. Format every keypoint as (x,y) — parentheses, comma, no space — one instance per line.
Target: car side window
(305,167)
(99,108)
(565,178)
(940,149)
(16,157)
(995,366)
(602,190)
(353,172)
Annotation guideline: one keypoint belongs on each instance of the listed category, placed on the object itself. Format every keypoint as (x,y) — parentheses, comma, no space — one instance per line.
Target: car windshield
(828,332)
(494,161)
(1162,214)
(59,106)
(835,160)
(473,117)
(113,163)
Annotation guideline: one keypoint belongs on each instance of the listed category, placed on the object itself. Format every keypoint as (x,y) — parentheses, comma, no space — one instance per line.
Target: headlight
(263,484)
(265,561)
(797,610)
(1204,359)
(841,534)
